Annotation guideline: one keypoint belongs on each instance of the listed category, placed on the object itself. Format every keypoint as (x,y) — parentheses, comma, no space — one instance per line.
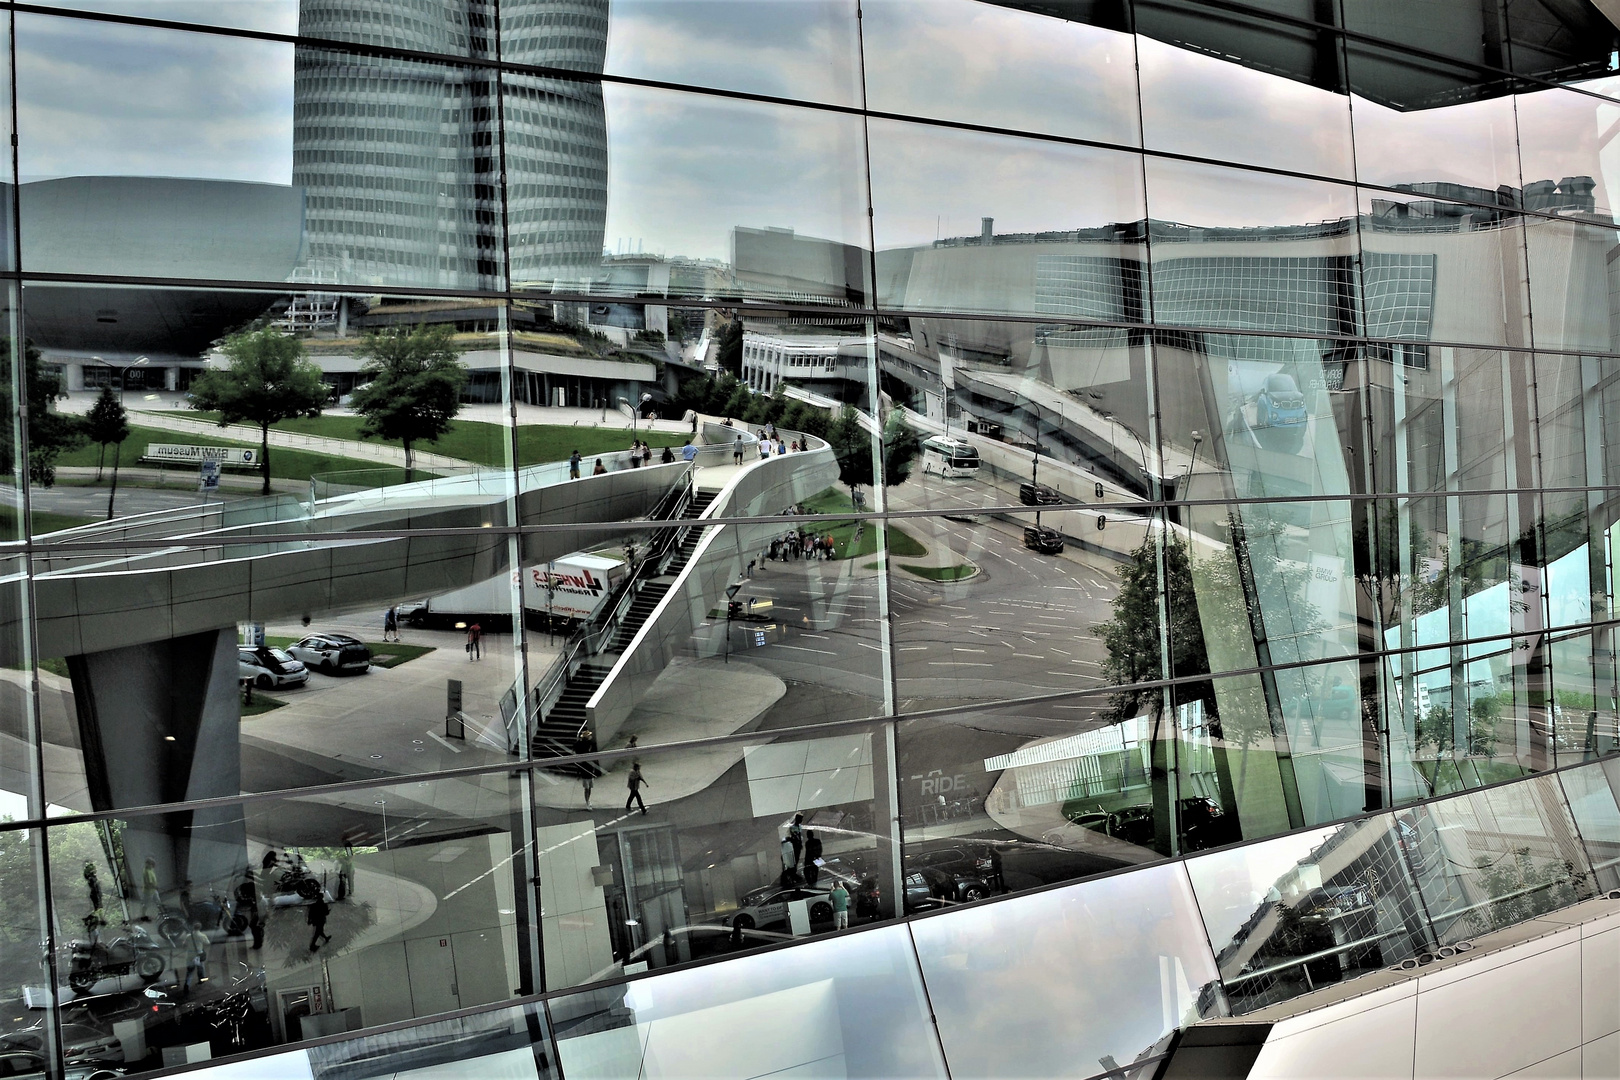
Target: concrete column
(159,723)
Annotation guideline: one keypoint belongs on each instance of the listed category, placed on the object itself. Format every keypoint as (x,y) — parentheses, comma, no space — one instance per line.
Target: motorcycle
(91,961)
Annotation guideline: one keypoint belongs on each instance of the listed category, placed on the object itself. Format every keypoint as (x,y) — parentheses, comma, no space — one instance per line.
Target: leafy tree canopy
(269,380)
(416,378)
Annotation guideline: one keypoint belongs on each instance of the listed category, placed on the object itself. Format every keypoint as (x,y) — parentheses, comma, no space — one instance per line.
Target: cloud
(268,16)
(98,99)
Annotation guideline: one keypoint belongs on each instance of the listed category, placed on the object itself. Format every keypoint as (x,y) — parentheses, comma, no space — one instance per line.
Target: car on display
(769,906)
(80,1042)
(1279,404)
(25,1065)
(945,876)
(1043,539)
(266,668)
(1038,495)
(332,653)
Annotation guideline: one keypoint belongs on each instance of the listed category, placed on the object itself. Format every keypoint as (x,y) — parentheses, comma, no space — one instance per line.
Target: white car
(266,668)
(332,653)
(764,907)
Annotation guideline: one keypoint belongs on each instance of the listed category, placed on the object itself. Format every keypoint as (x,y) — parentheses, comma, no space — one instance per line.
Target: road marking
(913,648)
(796,648)
(1089,663)
(1073,674)
(957,663)
(1058,650)
(866,645)
(1052,618)
(1029,656)
(958,648)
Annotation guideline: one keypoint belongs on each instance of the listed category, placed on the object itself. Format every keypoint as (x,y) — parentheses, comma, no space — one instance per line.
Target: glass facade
(526,544)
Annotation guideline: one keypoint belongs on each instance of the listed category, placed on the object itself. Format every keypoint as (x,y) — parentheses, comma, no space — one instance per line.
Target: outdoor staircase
(557,733)
(683,552)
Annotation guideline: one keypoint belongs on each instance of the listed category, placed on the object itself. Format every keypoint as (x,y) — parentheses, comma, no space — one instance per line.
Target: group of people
(642,454)
(801,544)
(576,462)
(802,861)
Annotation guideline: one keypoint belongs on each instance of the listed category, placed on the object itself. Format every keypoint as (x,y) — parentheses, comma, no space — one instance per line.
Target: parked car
(952,877)
(1038,495)
(1280,404)
(79,1041)
(1043,539)
(266,667)
(768,906)
(24,1065)
(332,653)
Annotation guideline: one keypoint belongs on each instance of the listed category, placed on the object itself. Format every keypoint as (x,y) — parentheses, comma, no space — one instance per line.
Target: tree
(108,423)
(852,447)
(416,377)
(269,381)
(49,432)
(900,449)
(729,354)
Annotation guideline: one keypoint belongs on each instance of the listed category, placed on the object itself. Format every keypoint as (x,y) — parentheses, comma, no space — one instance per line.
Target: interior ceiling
(1552,40)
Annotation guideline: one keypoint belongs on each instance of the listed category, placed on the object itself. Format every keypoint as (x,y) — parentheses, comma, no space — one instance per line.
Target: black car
(1038,495)
(947,881)
(1042,538)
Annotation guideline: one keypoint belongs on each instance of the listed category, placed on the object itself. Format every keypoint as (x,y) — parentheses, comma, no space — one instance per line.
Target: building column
(159,723)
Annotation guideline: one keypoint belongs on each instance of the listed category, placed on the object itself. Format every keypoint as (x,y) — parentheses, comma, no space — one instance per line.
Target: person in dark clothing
(247,903)
(668,457)
(812,853)
(996,880)
(93,883)
(318,912)
(634,782)
(796,837)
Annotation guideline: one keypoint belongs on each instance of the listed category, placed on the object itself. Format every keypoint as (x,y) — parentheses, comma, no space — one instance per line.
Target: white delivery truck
(580,585)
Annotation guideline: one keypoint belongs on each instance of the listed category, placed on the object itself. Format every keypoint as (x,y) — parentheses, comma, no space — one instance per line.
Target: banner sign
(191,455)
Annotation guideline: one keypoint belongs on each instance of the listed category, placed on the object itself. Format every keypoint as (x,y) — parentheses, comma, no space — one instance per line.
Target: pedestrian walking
(198,945)
(688,452)
(318,912)
(475,637)
(586,744)
(997,881)
(635,454)
(634,782)
(812,858)
(737,451)
(840,903)
(795,834)
(151,898)
(391,624)
(789,858)
(93,884)
(600,468)
(574,461)
(668,457)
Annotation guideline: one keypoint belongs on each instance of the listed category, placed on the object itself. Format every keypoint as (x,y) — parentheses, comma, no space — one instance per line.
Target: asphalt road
(91,502)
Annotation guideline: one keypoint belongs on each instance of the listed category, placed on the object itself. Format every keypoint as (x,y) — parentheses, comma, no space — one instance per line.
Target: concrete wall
(1546,1007)
(573,915)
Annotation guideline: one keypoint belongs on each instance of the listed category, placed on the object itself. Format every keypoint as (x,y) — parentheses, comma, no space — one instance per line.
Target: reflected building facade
(1130,497)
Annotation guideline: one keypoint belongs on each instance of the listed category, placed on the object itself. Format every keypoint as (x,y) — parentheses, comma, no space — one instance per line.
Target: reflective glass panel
(681,195)
(273,922)
(1434,270)
(1568,281)
(27,1027)
(1069,982)
(1019,226)
(328,171)
(1243,251)
(1428,126)
(714,850)
(208,671)
(1280,104)
(856,1004)
(512,1044)
(20,784)
(1597,814)
(1065,72)
(1494,858)
(1304,911)
(269,16)
(806,49)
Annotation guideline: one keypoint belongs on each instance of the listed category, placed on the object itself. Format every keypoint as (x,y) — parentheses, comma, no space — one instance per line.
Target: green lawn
(284,464)
(481,443)
(262,703)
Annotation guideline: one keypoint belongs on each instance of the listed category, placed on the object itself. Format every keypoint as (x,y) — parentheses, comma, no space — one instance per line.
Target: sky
(684,169)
